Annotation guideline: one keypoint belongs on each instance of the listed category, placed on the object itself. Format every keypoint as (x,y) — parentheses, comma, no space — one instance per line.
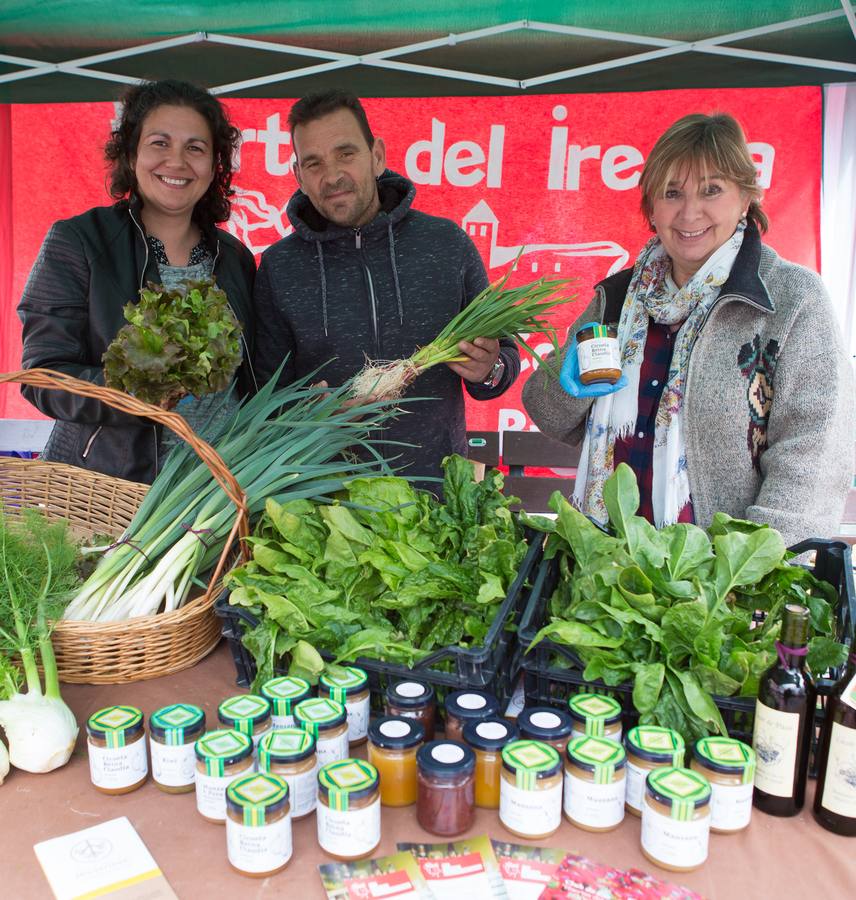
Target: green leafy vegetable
(177,342)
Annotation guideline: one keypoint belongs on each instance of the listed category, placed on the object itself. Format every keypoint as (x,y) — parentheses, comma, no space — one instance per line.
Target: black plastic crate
(490,667)
(548,683)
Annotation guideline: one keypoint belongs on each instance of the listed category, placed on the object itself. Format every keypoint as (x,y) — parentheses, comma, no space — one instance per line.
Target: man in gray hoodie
(366,275)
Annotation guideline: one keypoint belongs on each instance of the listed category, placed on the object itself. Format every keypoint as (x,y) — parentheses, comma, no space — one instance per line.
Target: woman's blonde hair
(702,144)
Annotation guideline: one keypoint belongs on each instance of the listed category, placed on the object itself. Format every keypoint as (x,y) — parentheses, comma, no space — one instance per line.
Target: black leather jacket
(88,268)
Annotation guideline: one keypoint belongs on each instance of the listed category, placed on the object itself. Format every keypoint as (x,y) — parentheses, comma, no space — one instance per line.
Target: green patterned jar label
(529,760)
(244,711)
(684,789)
(344,778)
(218,749)
(598,755)
(283,745)
(284,692)
(254,794)
(342,681)
(661,742)
(728,753)
(113,722)
(318,713)
(596,710)
(176,720)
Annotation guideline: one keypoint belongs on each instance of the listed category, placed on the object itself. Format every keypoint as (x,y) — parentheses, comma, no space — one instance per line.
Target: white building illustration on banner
(548,260)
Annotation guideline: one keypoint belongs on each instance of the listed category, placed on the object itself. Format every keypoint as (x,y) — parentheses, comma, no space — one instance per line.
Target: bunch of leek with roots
(287,443)
(37,572)
(497,312)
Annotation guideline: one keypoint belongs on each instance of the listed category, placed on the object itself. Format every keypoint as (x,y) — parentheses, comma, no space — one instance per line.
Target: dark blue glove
(569,377)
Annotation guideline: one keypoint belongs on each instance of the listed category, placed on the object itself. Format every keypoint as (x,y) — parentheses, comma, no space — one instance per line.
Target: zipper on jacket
(145,244)
(90,442)
(369,288)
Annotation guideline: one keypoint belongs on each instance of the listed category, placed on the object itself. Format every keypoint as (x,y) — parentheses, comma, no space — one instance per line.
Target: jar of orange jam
(393,742)
(487,739)
(543,723)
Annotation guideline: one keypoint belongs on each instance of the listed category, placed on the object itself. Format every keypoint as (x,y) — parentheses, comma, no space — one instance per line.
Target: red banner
(555,176)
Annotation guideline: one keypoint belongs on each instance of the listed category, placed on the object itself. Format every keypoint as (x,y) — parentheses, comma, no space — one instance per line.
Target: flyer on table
(456,869)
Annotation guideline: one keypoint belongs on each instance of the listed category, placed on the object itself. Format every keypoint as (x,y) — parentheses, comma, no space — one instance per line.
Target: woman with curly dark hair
(171,172)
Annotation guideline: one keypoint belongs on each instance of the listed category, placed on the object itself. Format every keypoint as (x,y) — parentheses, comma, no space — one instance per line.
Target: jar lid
(656,744)
(595,710)
(529,761)
(343,682)
(543,723)
(115,724)
(597,755)
(256,796)
(343,782)
(174,724)
(471,705)
(319,714)
(283,693)
(409,694)
(285,745)
(244,712)
(490,734)
(396,732)
(446,759)
(682,789)
(221,748)
(726,755)
(596,331)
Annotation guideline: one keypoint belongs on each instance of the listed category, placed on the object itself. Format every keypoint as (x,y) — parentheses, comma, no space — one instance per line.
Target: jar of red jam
(413,700)
(543,723)
(468,706)
(445,772)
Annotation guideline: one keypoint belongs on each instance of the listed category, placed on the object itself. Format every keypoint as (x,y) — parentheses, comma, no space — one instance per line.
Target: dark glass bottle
(835,797)
(784,721)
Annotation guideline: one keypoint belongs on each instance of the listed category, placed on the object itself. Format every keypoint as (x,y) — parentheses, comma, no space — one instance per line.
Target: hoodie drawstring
(323,286)
(395,273)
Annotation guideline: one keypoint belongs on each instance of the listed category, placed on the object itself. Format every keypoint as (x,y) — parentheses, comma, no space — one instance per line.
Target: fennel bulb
(41,732)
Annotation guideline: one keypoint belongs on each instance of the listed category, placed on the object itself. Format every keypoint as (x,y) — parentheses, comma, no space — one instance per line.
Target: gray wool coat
(769,405)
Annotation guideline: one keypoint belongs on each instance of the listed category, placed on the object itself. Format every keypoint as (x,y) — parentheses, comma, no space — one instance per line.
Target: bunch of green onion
(287,443)
(497,312)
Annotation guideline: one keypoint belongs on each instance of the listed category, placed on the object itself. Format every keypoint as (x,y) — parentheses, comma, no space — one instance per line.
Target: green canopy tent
(64,50)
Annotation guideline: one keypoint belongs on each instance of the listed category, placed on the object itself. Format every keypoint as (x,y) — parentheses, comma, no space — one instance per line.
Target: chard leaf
(701,703)
(824,654)
(745,558)
(575,634)
(647,686)
(306,662)
(715,682)
(689,548)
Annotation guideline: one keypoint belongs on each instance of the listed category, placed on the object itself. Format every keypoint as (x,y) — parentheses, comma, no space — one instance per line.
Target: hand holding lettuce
(673,610)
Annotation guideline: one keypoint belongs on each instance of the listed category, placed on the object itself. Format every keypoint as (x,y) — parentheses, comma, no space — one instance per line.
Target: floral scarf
(652,293)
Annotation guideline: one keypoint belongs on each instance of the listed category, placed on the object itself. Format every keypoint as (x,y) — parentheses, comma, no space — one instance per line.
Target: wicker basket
(144,647)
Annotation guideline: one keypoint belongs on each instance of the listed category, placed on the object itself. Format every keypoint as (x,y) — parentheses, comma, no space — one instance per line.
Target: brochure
(526,870)
(460,869)
(395,876)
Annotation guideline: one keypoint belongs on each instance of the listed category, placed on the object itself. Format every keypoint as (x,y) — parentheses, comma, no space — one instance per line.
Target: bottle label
(530,812)
(839,789)
(775,739)
(674,843)
(730,806)
(261,848)
(211,794)
(302,792)
(848,695)
(173,766)
(351,832)
(599,353)
(595,805)
(358,719)
(119,767)
(635,791)
(278,722)
(331,749)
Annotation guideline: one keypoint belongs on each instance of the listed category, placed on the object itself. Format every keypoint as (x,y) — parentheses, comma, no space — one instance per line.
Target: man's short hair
(316,106)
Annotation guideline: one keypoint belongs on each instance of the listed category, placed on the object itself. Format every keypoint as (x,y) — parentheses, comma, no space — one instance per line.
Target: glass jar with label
(598,354)
(676,818)
(445,772)
(530,791)
(648,747)
(468,706)
(729,766)
(487,739)
(173,730)
(290,754)
(327,721)
(258,824)
(393,742)
(349,686)
(348,814)
(543,723)
(413,700)
(221,756)
(116,741)
(595,783)
(284,694)
(596,715)
(247,713)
